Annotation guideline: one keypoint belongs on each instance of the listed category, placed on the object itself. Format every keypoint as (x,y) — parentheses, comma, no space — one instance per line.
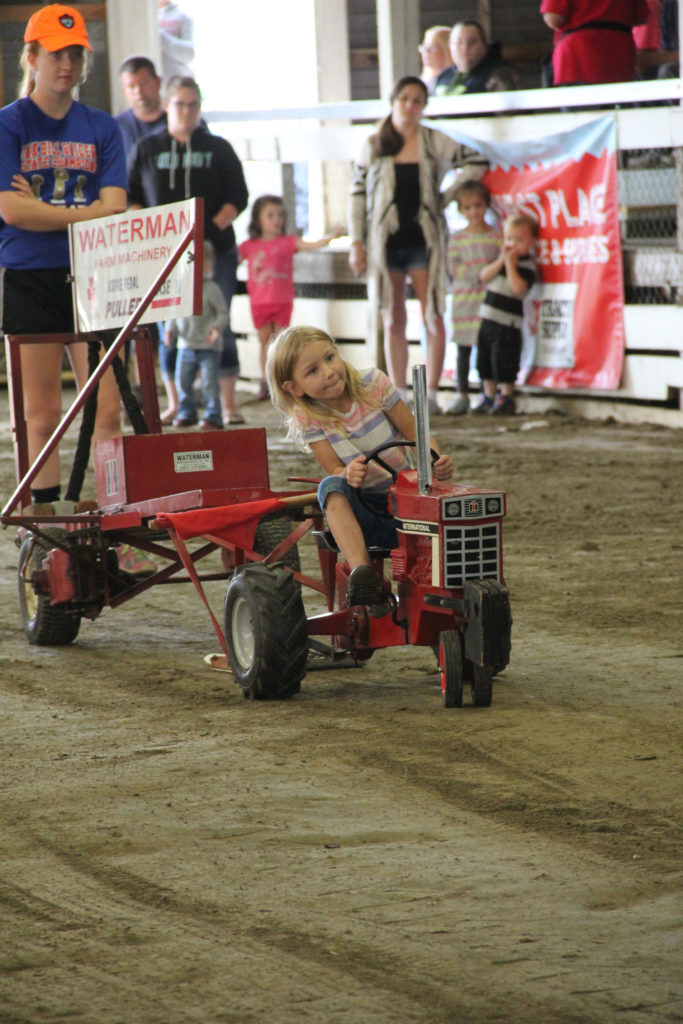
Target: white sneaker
(459,406)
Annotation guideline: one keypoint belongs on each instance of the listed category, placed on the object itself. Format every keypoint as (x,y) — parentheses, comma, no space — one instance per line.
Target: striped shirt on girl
(362,428)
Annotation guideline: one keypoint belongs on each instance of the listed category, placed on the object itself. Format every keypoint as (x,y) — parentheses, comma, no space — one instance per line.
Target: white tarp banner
(115,261)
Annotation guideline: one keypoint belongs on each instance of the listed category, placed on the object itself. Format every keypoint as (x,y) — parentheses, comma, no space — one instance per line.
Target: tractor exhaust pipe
(421,411)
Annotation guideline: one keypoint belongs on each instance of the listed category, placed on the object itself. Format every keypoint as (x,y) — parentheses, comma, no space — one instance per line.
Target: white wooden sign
(115,261)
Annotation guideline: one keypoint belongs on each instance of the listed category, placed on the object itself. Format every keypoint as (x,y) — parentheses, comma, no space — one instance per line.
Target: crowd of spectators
(594,41)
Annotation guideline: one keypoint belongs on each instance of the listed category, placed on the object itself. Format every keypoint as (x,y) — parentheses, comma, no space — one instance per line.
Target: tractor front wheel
(265,631)
(450,664)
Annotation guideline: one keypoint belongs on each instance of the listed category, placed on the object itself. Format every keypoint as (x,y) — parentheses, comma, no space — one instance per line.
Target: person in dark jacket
(474,61)
(185,161)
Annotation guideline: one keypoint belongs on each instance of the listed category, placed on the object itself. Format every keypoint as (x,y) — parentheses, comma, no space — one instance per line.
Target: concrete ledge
(580,407)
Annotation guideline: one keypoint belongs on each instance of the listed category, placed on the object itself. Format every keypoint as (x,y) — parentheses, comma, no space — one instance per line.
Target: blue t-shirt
(67,162)
(133,129)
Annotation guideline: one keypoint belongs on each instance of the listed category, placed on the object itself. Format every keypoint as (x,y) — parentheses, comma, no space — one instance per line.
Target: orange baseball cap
(55,27)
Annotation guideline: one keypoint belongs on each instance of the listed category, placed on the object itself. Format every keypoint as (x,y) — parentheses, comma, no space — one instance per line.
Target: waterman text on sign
(115,260)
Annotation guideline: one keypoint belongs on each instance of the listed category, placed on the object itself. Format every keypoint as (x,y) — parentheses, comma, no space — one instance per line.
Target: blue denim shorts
(405,260)
(378,532)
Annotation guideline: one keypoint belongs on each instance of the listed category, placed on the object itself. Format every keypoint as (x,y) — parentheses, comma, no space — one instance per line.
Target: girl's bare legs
(41,372)
(265,333)
(167,364)
(171,397)
(107,425)
(108,417)
(436,340)
(346,530)
(228,386)
(395,320)
(365,584)
(41,367)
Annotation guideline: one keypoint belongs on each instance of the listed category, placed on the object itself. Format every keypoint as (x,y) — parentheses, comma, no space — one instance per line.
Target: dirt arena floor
(172,853)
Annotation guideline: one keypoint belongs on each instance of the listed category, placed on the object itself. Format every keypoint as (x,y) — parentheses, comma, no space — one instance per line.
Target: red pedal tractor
(448,594)
(446,590)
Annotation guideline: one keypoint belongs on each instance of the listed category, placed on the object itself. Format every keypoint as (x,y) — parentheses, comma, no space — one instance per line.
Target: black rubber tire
(482,686)
(266,631)
(450,664)
(44,624)
(271,531)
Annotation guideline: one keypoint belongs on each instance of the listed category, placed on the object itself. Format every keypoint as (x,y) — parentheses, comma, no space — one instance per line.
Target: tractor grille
(471,553)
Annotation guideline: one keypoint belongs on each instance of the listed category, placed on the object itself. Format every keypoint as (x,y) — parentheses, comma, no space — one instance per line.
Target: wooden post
(132,28)
(398,38)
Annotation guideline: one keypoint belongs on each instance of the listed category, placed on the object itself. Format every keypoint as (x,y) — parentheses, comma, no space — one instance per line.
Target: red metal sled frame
(78,574)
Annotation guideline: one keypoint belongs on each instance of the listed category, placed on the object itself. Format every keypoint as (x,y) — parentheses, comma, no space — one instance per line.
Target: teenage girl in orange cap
(60,162)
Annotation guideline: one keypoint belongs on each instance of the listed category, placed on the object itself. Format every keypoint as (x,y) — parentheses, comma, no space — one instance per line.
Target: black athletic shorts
(36,301)
(499,351)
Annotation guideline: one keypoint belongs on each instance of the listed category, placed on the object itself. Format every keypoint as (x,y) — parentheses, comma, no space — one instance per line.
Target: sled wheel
(43,623)
(450,663)
(271,531)
(266,631)
(482,686)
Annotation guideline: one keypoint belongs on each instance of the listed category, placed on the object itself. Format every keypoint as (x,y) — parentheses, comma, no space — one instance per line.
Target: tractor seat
(326,541)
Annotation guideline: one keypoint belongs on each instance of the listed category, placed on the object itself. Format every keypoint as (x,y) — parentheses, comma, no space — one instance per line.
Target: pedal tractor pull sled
(444,581)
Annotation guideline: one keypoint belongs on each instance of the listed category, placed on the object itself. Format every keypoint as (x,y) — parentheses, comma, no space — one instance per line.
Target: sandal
(168,416)
(234,417)
(218,662)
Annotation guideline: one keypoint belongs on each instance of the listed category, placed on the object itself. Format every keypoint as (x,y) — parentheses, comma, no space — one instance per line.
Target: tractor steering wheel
(373,456)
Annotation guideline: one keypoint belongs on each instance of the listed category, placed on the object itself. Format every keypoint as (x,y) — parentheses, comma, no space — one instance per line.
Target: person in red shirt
(269,253)
(593,39)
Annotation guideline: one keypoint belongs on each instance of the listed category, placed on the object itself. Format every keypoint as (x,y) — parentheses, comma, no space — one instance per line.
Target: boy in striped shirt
(499,345)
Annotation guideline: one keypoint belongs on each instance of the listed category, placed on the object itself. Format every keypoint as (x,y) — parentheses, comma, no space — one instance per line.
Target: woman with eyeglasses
(61,162)
(435,54)
(185,161)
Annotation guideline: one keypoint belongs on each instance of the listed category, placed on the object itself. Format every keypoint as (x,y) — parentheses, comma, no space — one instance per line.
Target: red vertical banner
(574,318)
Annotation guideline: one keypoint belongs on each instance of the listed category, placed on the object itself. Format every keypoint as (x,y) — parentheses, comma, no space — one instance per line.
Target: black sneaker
(485,406)
(504,405)
(367,588)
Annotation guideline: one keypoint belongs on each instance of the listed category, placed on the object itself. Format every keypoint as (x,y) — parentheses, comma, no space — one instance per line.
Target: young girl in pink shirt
(269,253)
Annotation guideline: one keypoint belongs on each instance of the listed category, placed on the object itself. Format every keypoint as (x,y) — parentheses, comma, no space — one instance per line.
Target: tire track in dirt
(133,908)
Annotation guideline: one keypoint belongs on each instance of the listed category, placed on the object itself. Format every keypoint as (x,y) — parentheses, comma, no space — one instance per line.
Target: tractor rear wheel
(270,532)
(266,631)
(44,624)
(450,663)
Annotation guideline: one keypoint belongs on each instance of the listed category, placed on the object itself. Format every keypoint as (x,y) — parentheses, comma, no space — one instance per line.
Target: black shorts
(499,352)
(36,301)
(403,260)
